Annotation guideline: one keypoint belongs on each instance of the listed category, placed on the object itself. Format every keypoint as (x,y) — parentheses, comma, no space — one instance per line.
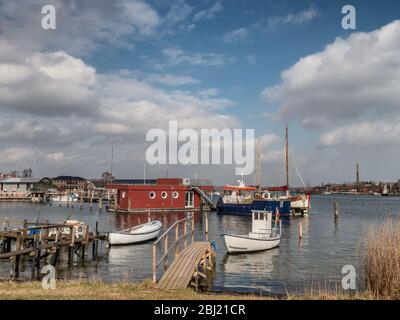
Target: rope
(298,172)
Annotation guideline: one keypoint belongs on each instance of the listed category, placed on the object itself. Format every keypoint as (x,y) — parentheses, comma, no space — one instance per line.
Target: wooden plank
(183,267)
(174,268)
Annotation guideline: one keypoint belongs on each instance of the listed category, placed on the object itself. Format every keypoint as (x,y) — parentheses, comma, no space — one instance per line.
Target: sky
(112,70)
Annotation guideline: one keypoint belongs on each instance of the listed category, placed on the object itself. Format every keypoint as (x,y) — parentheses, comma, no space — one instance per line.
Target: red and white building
(167,194)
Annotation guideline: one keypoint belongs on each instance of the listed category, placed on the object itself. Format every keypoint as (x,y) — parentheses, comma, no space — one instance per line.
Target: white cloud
(177,56)
(210,92)
(82,26)
(351,78)
(16,154)
(209,13)
(366,133)
(171,80)
(294,18)
(237,35)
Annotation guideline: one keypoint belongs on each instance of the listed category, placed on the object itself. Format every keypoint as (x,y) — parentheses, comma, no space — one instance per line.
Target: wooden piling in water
(300,230)
(336,209)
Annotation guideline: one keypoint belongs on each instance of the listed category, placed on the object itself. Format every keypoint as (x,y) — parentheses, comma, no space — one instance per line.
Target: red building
(165,194)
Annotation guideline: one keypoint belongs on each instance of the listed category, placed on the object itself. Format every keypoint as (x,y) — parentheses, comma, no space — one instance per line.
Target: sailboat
(300,204)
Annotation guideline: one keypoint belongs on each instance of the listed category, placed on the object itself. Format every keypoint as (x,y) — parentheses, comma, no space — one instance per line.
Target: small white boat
(137,234)
(266,234)
(79,228)
(72,197)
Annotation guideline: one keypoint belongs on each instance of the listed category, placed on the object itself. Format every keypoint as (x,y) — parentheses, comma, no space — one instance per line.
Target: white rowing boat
(137,234)
(266,234)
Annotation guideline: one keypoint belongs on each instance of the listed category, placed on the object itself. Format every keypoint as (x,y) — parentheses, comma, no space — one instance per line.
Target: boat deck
(186,265)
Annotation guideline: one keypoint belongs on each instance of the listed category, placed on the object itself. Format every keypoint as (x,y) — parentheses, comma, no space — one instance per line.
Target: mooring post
(91,200)
(185,233)
(336,209)
(81,199)
(192,227)
(37,215)
(101,204)
(57,248)
(154,263)
(165,251)
(33,267)
(95,240)
(300,230)
(176,239)
(71,246)
(206,216)
(38,251)
(17,257)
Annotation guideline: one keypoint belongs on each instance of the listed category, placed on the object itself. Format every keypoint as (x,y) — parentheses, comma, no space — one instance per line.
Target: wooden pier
(193,266)
(44,242)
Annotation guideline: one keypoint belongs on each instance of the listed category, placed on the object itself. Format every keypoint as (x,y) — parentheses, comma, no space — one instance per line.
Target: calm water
(317,259)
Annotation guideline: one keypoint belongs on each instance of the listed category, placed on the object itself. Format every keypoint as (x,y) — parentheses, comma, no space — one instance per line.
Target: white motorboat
(79,228)
(137,234)
(266,234)
(72,197)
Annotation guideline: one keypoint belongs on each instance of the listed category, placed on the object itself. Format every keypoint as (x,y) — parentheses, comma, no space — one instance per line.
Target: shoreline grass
(97,290)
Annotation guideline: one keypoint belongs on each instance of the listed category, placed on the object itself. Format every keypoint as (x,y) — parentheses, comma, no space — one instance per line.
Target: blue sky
(113,70)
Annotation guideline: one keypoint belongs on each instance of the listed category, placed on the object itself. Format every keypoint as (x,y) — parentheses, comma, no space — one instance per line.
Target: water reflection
(324,249)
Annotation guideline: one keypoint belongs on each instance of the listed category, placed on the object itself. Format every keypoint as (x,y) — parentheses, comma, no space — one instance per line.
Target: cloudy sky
(112,70)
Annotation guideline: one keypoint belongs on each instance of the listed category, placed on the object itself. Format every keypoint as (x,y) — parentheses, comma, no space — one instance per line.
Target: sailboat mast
(258,167)
(287,159)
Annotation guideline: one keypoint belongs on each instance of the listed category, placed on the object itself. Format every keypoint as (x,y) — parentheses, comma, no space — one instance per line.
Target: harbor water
(315,260)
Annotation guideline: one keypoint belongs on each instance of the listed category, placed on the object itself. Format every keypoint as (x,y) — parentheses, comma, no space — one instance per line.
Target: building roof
(25,180)
(68,178)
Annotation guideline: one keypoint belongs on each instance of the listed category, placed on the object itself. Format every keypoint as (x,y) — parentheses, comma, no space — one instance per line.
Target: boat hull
(283,207)
(120,238)
(242,244)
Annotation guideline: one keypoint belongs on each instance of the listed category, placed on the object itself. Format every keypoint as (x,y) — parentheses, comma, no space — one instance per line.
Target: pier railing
(175,245)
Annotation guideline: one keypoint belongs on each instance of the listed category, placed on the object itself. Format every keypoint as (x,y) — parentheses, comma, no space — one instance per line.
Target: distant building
(8,175)
(24,189)
(69,183)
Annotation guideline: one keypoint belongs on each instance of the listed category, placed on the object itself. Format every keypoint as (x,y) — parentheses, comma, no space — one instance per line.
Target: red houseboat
(167,194)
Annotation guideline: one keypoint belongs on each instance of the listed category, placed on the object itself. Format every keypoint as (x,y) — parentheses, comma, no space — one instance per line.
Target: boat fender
(214,245)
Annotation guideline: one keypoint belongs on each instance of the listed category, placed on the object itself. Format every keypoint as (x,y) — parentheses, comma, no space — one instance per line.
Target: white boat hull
(142,233)
(238,243)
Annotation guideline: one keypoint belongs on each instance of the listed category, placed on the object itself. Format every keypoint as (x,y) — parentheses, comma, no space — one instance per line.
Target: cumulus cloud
(82,26)
(350,78)
(366,133)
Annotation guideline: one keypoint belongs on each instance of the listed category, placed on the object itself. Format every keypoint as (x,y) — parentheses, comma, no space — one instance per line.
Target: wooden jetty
(43,240)
(192,266)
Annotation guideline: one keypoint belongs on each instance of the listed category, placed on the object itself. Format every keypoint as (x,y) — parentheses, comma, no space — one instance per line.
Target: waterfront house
(24,189)
(161,194)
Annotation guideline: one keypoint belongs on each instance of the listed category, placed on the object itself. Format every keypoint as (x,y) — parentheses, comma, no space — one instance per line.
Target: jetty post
(81,199)
(91,200)
(300,230)
(336,209)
